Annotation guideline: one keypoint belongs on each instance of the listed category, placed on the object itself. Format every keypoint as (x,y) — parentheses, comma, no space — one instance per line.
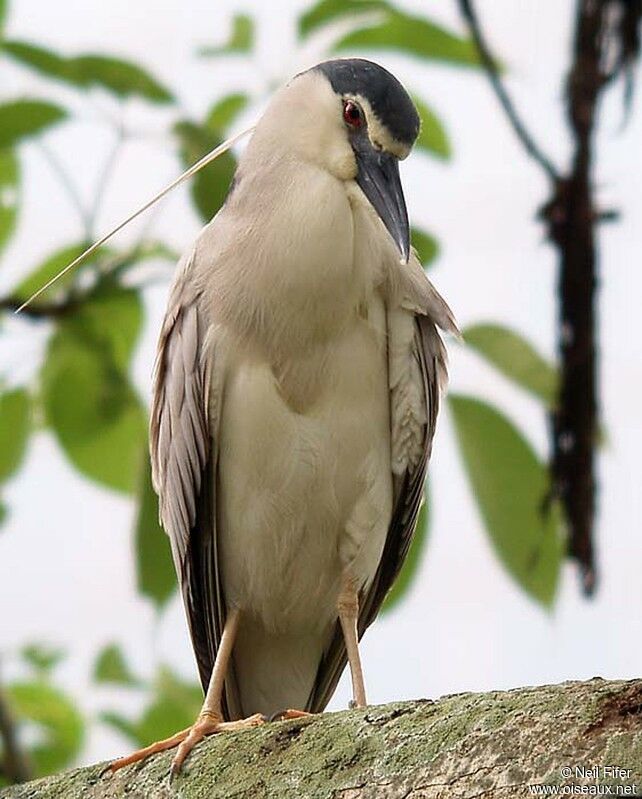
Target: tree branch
(14,765)
(606,44)
(572,219)
(40,310)
(490,66)
(468,745)
(68,185)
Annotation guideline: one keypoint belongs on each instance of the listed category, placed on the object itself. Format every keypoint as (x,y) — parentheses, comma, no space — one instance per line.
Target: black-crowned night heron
(295,399)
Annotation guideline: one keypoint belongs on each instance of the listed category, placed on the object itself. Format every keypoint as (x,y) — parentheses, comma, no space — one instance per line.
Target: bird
(295,397)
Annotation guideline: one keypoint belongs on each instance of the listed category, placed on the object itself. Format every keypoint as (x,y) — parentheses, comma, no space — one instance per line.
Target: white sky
(66,566)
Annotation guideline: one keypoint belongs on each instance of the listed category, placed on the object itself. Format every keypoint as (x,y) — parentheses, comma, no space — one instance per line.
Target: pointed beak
(378,178)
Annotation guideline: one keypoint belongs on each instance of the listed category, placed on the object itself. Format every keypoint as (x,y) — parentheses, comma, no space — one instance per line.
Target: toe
(204,726)
(142,754)
(289,713)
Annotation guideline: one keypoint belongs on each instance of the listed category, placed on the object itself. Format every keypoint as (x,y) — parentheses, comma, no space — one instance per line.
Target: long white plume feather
(204,161)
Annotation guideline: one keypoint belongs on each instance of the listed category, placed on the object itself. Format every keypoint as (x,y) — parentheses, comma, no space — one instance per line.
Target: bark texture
(467,745)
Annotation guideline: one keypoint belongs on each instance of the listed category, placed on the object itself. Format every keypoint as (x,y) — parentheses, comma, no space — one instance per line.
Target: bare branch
(43,310)
(103,181)
(490,67)
(67,183)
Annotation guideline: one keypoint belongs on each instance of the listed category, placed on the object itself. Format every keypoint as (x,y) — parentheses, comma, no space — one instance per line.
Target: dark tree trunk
(572,229)
(606,45)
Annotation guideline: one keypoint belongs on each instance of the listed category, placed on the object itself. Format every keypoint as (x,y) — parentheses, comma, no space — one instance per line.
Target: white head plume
(203,162)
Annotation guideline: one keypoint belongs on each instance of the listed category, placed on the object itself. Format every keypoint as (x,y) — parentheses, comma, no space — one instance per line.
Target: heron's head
(354,119)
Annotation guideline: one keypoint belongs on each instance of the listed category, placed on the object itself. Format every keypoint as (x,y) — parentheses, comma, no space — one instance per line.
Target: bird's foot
(206,724)
(289,713)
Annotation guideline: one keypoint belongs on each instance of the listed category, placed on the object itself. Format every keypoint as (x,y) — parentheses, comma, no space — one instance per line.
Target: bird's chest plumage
(305,486)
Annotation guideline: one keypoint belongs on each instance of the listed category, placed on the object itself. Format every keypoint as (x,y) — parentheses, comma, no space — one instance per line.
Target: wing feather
(183,434)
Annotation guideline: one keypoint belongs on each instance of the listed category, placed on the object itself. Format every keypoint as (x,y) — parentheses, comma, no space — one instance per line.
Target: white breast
(304,495)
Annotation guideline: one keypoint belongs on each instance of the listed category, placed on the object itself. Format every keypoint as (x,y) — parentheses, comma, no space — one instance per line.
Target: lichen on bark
(495,744)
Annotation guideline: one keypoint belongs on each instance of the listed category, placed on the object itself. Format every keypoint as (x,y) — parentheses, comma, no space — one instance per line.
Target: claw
(289,713)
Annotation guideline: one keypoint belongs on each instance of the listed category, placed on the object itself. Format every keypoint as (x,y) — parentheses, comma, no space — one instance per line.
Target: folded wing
(183,435)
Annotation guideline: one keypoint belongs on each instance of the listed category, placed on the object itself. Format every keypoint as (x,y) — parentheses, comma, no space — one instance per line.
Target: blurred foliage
(89,402)
(241,39)
(42,658)
(432,136)
(515,358)
(510,484)
(58,724)
(155,576)
(172,705)
(14,430)
(50,727)
(110,668)
(9,185)
(122,78)
(50,267)
(84,395)
(24,118)
(426,246)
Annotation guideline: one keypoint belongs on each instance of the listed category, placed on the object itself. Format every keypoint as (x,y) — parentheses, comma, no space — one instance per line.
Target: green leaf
(4,6)
(209,186)
(48,269)
(107,260)
(122,78)
(511,486)
(326,11)
(410,570)
(150,250)
(426,245)
(112,319)
(241,39)
(15,425)
(9,186)
(88,399)
(155,574)
(42,658)
(516,358)
(60,724)
(225,111)
(414,35)
(44,61)
(20,119)
(432,136)
(174,706)
(110,667)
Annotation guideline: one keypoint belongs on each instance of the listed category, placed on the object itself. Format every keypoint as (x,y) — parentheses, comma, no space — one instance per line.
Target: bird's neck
(306,262)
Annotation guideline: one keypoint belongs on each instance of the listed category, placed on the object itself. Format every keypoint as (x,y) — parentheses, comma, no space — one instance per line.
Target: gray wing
(183,453)
(427,367)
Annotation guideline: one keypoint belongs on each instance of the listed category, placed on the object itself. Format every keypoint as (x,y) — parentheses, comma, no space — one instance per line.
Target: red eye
(352,114)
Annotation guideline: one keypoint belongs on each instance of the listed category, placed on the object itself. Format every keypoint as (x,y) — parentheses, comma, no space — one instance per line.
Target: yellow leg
(210,719)
(348,608)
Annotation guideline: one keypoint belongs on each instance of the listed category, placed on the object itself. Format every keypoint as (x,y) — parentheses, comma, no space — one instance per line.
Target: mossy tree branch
(467,745)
